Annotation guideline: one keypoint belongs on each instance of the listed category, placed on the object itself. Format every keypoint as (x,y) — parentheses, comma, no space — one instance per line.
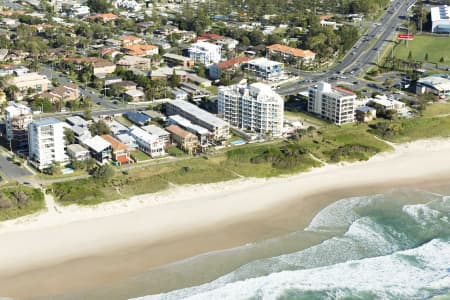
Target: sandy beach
(70,248)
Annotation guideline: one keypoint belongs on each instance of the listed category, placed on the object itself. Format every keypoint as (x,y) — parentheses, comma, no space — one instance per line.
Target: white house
(150,144)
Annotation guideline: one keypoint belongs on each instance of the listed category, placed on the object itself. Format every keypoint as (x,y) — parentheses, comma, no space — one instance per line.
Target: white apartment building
(255,107)
(46,143)
(440,19)
(17,119)
(332,103)
(205,53)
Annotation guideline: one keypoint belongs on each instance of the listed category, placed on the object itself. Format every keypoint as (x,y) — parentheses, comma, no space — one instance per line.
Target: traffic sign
(404,36)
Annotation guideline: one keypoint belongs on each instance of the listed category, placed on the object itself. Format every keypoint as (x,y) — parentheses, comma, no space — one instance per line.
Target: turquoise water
(394,245)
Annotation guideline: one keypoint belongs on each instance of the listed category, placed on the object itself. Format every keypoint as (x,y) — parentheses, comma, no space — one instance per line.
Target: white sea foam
(340,214)
(422,214)
(393,276)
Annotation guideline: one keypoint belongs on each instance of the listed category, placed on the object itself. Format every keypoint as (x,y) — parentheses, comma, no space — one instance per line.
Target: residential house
(158,131)
(365,114)
(200,81)
(64,92)
(107,17)
(35,82)
(202,133)
(138,62)
(178,60)
(99,148)
(128,140)
(137,118)
(229,65)
(388,103)
(78,152)
(134,95)
(129,40)
(166,73)
(141,50)
(150,144)
(185,140)
(120,152)
(306,56)
(80,128)
(437,84)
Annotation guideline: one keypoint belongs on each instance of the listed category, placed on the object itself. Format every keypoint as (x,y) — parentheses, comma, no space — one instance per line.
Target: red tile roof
(232,62)
(291,51)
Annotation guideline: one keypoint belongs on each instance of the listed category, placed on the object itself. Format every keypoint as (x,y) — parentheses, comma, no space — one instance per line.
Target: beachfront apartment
(332,103)
(150,144)
(17,119)
(46,143)
(220,130)
(265,69)
(205,53)
(202,133)
(255,107)
(99,148)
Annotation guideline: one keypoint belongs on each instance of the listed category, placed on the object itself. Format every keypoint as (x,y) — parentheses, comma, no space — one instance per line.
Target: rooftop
(115,144)
(176,130)
(291,51)
(232,62)
(199,113)
(45,122)
(97,144)
(155,130)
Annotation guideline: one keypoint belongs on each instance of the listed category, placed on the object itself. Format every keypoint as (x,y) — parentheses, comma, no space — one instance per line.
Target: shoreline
(41,254)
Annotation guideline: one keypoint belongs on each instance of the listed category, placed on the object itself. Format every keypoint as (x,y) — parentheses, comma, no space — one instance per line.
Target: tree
(99,128)
(175,79)
(99,6)
(87,114)
(409,55)
(103,172)
(442,60)
(69,136)
(426,56)
(201,70)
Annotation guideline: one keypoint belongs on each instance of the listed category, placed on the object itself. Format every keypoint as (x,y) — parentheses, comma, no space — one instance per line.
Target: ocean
(394,245)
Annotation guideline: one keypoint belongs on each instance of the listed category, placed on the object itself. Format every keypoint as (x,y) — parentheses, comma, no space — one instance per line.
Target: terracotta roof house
(120,152)
(141,50)
(131,40)
(186,140)
(104,17)
(216,69)
(285,51)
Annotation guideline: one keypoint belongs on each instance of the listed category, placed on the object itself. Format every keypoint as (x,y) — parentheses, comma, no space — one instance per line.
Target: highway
(363,54)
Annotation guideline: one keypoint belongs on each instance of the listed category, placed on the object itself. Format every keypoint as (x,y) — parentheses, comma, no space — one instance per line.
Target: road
(96,98)
(12,170)
(363,54)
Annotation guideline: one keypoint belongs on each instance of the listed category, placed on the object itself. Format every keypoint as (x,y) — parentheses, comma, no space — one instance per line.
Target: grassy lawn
(350,142)
(306,117)
(58,176)
(435,46)
(10,207)
(436,109)
(176,152)
(419,128)
(139,155)
(123,120)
